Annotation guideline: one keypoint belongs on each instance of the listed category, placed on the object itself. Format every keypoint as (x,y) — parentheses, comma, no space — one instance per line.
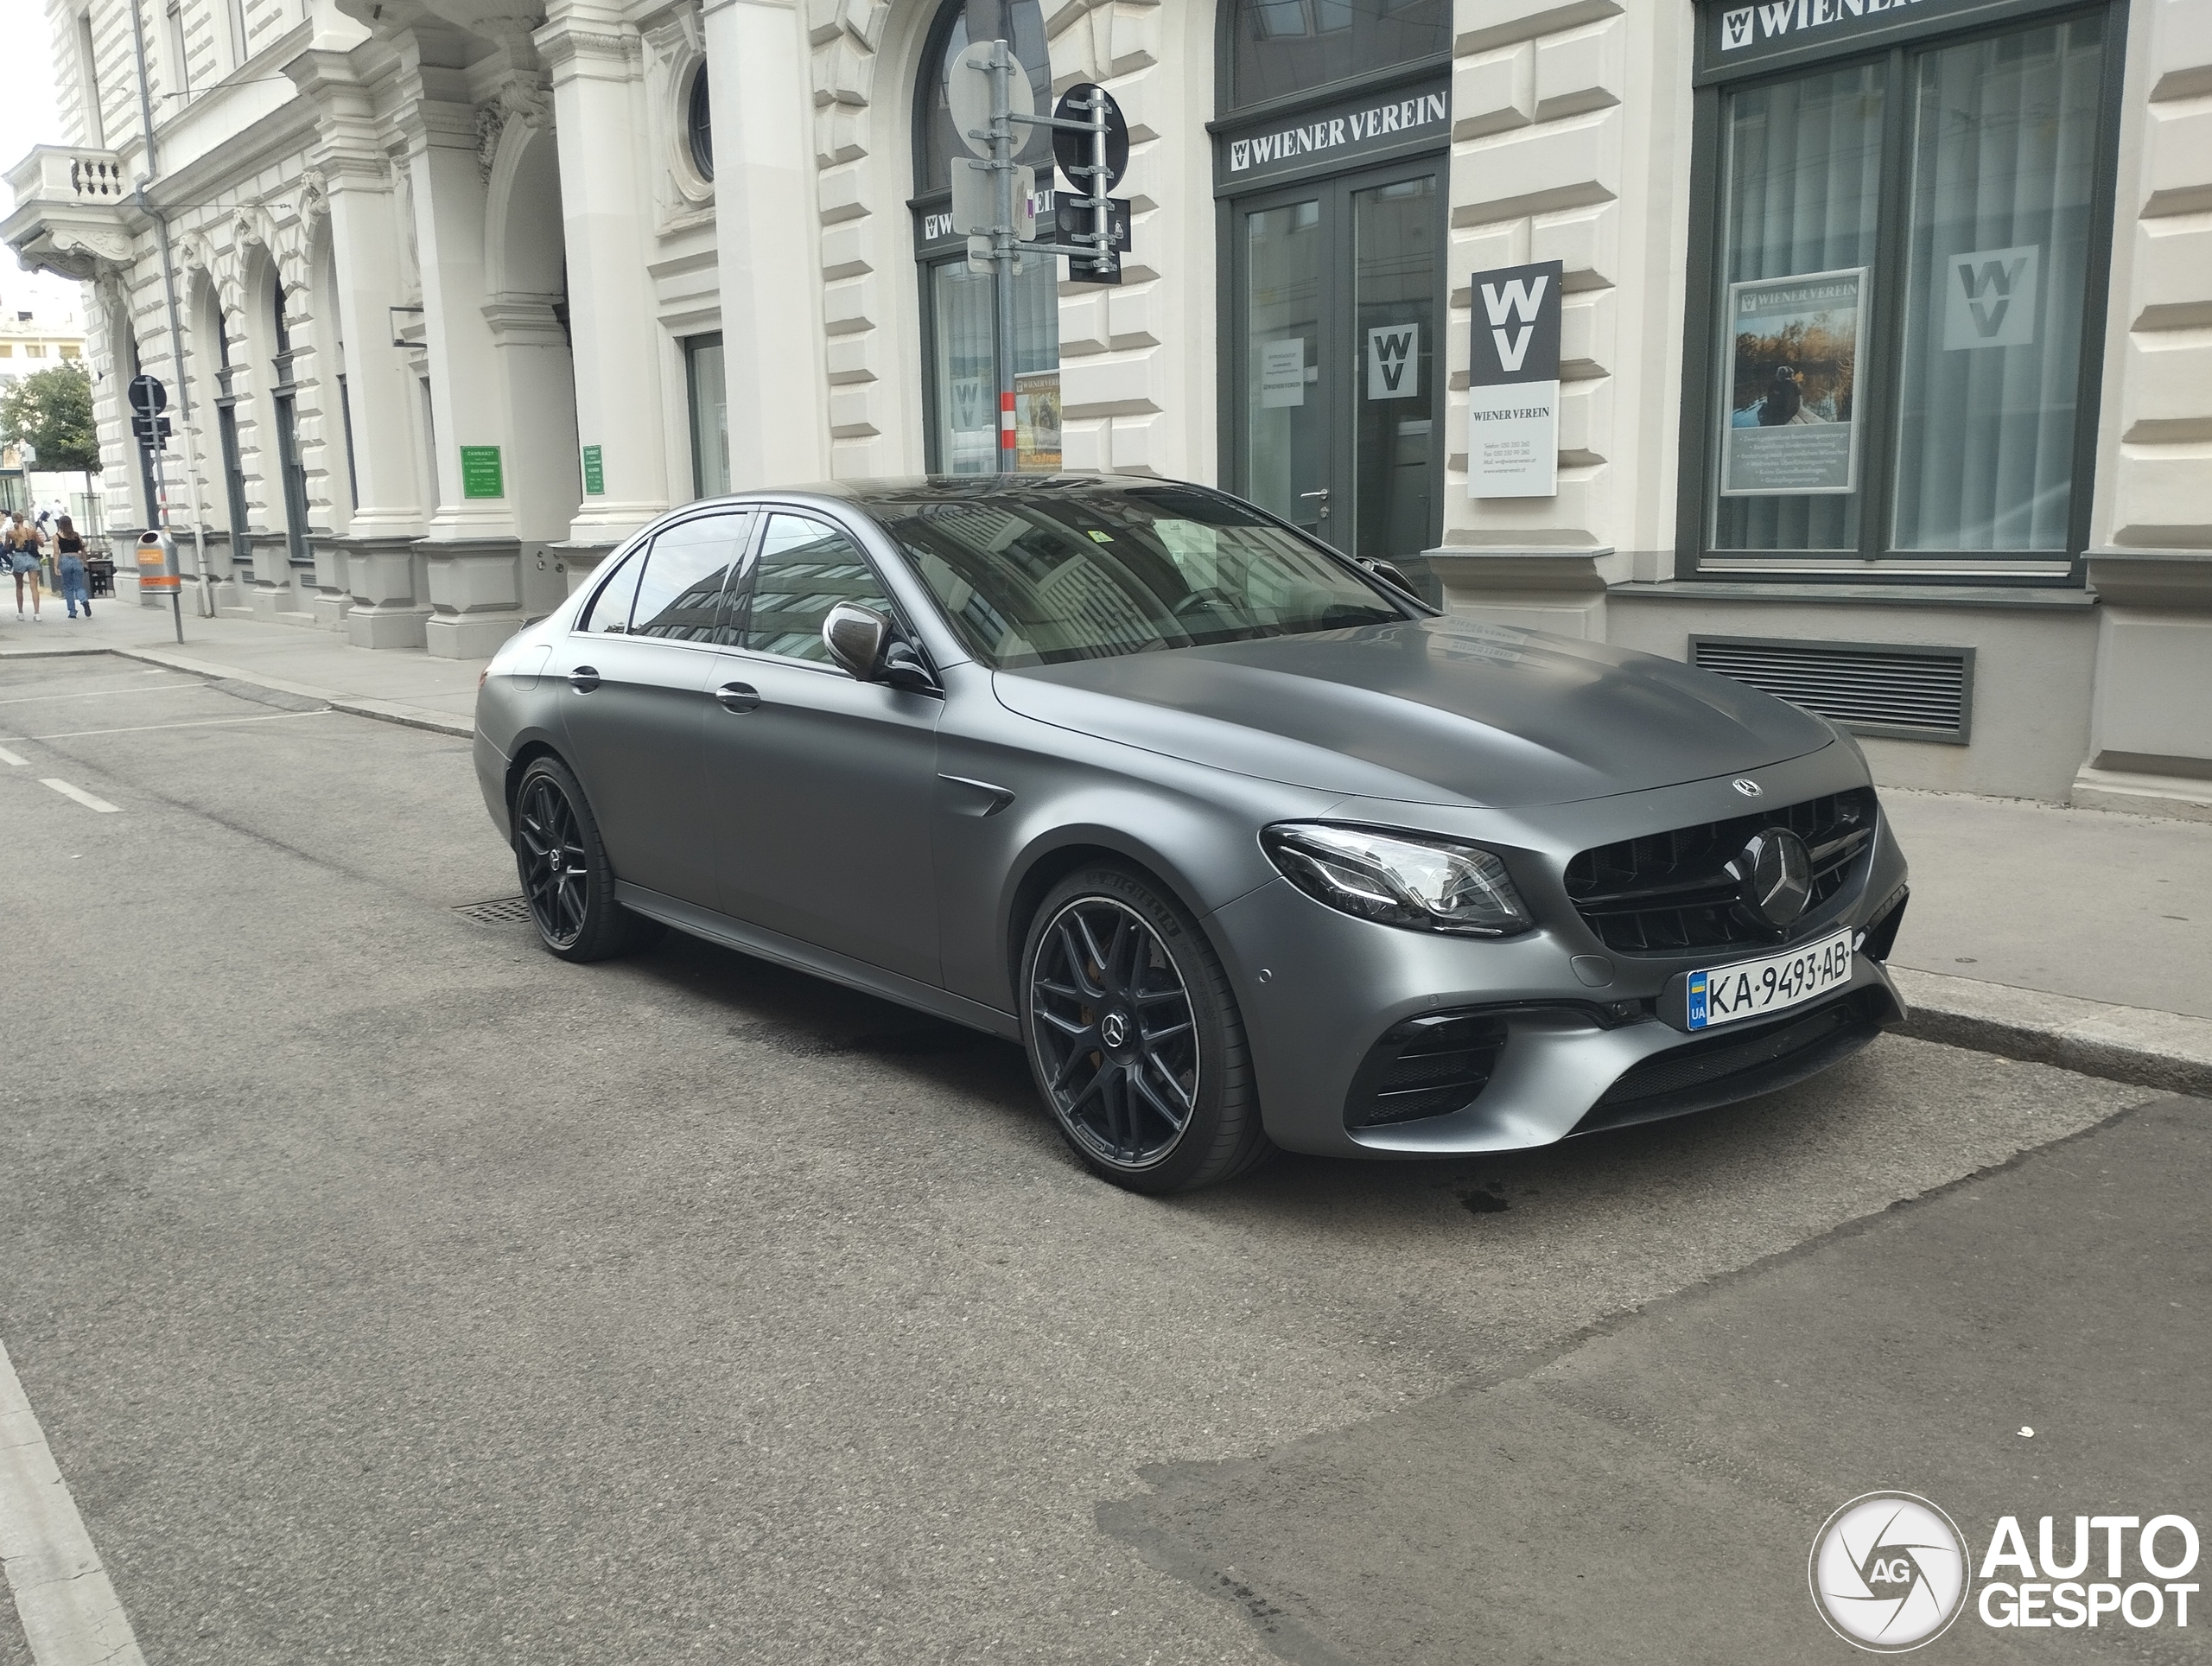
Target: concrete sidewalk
(2072,937)
(398,684)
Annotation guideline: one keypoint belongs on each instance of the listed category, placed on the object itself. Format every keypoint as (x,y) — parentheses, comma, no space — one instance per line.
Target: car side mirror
(855,637)
(867,645)
(1389,573)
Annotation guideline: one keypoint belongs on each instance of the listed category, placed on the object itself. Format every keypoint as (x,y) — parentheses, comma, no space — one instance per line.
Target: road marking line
(7,757)
(81,796)
(71,1614)
(99,694)
(198,723)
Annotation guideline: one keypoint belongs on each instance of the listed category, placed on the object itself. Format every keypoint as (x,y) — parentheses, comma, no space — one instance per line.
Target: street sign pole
(1003,236)
(988,91)
(149,398)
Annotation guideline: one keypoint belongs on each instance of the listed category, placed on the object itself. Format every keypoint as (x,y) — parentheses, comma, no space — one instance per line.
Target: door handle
(738,696)
(1324,495)
(584,678)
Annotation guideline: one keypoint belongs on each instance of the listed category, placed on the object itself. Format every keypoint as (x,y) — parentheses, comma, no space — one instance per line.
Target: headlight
(1429,885)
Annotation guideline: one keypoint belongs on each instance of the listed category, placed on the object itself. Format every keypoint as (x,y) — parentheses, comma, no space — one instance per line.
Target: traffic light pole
(1095,249)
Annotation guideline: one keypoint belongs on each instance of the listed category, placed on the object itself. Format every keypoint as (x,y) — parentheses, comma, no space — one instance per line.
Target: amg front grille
(1669,892)
(1425,1066)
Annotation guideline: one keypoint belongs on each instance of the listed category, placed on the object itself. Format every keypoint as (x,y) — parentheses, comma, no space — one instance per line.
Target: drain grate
(500,911)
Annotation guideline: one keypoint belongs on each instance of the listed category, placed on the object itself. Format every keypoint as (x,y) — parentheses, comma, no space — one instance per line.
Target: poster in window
(1037,421)
(1795,357)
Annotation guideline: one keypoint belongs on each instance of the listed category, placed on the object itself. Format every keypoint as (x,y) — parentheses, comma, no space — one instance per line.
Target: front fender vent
(1902,690)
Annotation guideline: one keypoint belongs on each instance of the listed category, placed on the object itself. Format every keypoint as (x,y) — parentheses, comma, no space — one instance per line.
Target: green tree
(52,408)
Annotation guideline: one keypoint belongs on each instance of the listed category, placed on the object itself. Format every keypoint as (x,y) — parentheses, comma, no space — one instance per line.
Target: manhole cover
(500,911)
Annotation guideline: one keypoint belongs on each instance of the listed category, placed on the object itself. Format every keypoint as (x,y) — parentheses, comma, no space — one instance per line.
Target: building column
(771,275)
(471,542)
(381,606)
(606,204)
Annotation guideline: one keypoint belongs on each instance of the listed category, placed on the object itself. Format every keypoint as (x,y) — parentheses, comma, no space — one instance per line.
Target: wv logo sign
(1394,362)
(1989,298)
(1509,303)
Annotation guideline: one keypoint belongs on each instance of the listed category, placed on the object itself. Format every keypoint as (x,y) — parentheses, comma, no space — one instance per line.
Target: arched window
(227,429)
(698,125)
(1278,48)
(290,466)
(960,356)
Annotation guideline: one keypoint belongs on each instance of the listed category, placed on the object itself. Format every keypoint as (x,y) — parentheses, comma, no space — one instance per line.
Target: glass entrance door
(1339,292)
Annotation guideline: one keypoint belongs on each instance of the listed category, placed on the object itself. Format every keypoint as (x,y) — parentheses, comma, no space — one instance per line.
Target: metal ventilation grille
(500,911)
(1912,692)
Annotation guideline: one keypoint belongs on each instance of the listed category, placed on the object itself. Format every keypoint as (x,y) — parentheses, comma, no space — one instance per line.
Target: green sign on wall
(479,472)
(594,472)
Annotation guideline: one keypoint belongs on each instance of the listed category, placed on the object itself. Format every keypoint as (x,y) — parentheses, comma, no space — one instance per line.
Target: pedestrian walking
(69,562)
(23,545)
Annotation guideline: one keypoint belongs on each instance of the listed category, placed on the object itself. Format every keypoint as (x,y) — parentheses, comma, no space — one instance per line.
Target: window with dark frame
(699,124)
(1896,368)
(707,392)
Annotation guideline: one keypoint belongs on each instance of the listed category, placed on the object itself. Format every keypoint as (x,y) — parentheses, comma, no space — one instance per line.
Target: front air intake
(1426,1066)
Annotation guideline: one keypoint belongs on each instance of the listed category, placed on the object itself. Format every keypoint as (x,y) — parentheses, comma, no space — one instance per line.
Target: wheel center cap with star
(1114,1029)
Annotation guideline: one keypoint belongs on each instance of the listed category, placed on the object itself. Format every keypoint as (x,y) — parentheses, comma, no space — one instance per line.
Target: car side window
(680,592)
(805,568)
(610,609)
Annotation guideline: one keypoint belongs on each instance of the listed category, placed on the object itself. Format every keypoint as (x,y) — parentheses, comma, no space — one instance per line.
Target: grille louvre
(1908,691)
(1425,1067)
(1668,893)
(500,911)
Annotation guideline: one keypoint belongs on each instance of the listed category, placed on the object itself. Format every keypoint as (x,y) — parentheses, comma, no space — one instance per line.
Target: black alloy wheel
(566,878)
(1134,1038)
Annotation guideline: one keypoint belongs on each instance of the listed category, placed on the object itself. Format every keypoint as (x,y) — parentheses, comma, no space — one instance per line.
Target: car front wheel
(566,878)
(1134,1038)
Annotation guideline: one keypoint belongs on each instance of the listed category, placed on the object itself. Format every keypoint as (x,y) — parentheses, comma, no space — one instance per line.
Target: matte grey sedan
(1245,844)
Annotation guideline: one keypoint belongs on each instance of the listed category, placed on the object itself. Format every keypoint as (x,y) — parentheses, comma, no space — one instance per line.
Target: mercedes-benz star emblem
(1774,873)
(1113,1029)
(1744,785)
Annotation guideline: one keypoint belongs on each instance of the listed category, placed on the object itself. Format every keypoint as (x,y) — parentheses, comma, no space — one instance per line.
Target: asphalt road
(391,1291)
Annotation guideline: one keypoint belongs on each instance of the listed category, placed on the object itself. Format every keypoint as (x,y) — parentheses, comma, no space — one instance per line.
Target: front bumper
(1319,990)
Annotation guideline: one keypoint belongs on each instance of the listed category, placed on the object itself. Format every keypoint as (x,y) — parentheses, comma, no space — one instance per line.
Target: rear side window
(610,609)
(806,568)
(680,595)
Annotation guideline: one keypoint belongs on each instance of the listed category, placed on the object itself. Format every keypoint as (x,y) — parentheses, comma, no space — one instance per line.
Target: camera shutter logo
(1889,1572)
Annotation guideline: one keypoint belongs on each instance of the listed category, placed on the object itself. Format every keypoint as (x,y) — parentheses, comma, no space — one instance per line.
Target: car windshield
(1036,577)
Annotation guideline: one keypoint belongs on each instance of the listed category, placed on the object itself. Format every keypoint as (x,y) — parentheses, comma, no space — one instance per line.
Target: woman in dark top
(69,550)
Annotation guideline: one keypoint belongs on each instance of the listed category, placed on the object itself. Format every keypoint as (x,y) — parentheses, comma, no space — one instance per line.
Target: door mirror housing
(856,638)
(1389,573)
(868,645)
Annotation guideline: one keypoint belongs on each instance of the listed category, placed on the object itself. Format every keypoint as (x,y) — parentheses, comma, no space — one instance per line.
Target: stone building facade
(452,297)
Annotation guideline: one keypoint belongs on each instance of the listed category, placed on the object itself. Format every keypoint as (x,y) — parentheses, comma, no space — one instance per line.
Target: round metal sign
(968,94)
(148,396)
(1072,150)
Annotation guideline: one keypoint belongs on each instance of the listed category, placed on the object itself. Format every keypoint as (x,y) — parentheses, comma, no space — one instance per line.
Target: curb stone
(2169,1051)
(383,711)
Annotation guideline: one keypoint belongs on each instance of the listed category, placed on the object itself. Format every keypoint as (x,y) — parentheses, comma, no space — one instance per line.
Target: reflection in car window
(1033,578)
(610,609)
(805,569)
(680,595)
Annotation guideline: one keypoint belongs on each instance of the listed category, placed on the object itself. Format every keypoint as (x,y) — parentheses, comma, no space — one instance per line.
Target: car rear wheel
(1134,1038)
(566,878)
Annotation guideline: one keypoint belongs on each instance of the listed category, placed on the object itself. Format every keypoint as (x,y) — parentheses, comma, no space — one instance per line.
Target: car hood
(1433,711)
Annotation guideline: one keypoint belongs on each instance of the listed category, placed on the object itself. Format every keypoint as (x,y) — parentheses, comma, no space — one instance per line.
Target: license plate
(1751,988)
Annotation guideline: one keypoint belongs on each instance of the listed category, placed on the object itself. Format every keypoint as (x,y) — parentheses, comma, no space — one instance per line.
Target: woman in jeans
(69,557)
(23,541)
